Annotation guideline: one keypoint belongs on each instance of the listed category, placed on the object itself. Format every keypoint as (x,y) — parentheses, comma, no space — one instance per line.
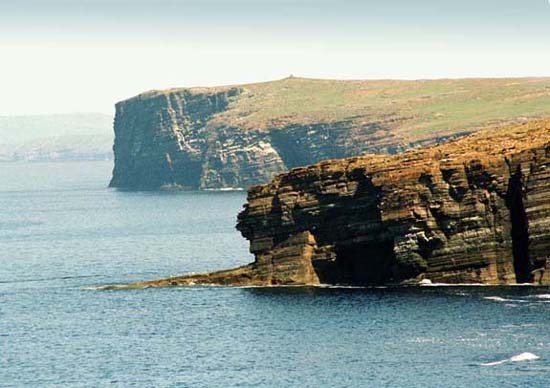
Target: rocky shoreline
(473,211)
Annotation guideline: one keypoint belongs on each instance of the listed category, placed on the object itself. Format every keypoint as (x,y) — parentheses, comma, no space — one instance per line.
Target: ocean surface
(63,232)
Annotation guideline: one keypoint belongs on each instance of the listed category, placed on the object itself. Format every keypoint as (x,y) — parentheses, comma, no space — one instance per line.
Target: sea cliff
(244,135)
(474,210)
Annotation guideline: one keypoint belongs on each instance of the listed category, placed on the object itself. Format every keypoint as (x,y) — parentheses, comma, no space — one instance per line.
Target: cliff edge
(239,136)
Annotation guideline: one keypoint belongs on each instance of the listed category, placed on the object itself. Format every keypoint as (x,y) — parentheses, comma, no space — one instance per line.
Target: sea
(63,233)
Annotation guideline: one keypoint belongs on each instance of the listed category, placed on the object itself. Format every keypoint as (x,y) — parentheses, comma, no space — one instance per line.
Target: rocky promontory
(474,210)
(239,136)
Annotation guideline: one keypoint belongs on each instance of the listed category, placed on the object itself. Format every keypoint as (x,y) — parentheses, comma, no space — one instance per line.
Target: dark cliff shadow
(520,227)
(359,257)
(367,259)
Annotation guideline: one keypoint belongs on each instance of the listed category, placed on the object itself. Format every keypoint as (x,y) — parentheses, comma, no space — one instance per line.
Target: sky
(71,56)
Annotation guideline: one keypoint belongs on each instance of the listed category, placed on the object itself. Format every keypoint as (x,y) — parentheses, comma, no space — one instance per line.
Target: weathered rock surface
(475,210)
(209,138)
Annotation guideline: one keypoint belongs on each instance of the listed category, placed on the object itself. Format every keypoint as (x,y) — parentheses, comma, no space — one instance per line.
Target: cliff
(61,148)
(238,136)
(475,210)
(60,137)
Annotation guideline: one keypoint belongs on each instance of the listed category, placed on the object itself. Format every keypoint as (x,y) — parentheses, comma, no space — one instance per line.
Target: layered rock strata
(236,137)
(476,210)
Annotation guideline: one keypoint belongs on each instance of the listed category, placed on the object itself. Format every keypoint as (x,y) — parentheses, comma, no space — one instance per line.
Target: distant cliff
(60,137)
(476,210)
(208,138)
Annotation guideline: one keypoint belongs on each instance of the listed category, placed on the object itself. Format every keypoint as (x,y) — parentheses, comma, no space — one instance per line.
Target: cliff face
(170,140)
(240,136)
(475,210)
(161,138)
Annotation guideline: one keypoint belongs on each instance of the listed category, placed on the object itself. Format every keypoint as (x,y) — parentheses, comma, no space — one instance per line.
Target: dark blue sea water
(63,232)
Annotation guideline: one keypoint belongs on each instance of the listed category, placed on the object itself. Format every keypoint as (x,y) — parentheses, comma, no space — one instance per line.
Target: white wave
(432,284)
(542,296)
(103,288)
(525,356)
(501,299)
(345,286)
(494,363)
(520,325)
(91,288)
(496,299)
(226,189)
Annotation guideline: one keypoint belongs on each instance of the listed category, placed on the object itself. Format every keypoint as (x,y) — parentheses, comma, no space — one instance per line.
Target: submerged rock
(476,210)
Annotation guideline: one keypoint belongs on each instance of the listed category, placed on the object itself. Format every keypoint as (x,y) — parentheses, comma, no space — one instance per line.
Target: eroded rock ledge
(476,210)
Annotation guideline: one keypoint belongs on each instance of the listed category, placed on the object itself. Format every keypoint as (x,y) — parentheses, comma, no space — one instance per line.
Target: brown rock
(476,210)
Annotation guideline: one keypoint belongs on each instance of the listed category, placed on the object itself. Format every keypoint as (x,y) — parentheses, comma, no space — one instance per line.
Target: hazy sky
(84,55)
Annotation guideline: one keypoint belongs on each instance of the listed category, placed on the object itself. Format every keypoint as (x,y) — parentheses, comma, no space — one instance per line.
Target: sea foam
(496,299)
(525,356)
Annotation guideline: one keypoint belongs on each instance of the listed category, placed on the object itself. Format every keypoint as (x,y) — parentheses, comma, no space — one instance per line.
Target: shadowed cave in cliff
(520,227)
(359,258)
(365,264)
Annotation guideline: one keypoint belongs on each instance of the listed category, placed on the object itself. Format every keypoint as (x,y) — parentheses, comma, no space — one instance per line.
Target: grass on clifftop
(414,110)
(421,108)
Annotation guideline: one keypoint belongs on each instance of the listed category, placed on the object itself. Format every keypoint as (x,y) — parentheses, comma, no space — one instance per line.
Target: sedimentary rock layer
(209,138)
(476,210)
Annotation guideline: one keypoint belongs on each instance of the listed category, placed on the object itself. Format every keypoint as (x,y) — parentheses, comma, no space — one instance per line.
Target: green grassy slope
(415,109)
